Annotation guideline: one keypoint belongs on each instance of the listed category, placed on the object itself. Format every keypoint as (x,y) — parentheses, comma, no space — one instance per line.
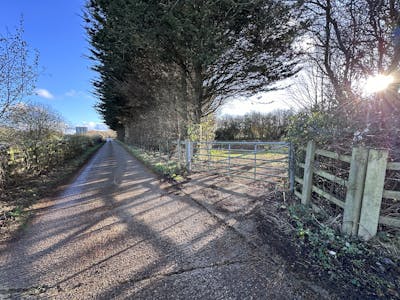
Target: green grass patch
(16,212)
(236,156)
(159,164)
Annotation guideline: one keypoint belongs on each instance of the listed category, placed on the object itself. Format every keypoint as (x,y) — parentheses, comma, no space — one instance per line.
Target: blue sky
(55,29)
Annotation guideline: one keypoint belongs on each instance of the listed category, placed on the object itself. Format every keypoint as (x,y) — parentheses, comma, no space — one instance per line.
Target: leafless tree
(351,41)
(354,39)
(310,89)
(34,122)
(18,72)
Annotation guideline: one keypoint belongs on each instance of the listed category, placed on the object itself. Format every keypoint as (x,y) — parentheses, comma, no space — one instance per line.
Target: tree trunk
(121,134)
(197,95)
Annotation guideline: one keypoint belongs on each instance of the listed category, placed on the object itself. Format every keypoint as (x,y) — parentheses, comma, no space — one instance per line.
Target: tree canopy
(187,57)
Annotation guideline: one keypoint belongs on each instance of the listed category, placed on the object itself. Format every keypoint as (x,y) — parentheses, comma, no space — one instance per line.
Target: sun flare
(377,83)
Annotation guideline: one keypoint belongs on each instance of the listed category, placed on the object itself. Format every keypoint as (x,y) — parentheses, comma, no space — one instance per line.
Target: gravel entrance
(115,232)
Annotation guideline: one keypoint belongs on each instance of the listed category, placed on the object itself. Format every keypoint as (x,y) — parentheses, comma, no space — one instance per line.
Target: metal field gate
(261,161)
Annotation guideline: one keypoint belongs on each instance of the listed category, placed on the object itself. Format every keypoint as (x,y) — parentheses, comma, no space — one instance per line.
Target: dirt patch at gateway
(233,202)
(259,213)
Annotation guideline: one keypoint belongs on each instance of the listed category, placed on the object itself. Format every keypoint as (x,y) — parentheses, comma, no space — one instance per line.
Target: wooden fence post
(373,191)
(355,189)
(292,167)
(11,152)
(308,174)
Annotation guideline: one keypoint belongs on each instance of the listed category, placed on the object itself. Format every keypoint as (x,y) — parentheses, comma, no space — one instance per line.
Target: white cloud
(263,102)
(70,93)
(44,93)
(94,126)
(80,94)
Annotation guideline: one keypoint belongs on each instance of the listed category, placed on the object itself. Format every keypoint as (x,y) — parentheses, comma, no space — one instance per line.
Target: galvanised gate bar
(262,161)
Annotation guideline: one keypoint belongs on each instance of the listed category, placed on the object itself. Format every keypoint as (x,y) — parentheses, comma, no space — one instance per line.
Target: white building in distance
(81,130)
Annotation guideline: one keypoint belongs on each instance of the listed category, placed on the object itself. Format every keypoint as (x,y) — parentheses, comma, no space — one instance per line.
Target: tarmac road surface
(114,232)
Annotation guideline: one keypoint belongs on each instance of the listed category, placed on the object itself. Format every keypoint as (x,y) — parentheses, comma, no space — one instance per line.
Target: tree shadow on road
(117,233)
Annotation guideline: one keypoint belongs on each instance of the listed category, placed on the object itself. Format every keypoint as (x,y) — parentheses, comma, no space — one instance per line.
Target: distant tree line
(254,126)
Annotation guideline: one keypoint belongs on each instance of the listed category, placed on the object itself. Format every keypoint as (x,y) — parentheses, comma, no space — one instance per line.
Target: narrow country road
(115,233)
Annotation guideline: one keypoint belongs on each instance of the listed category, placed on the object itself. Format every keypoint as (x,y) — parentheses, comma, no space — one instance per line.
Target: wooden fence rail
(364,187)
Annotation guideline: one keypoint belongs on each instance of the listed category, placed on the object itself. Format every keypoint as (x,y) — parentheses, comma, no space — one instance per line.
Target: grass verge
(167,168)
(16,200)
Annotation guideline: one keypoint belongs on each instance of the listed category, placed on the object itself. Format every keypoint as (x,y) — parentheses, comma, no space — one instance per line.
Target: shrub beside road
(28,177)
